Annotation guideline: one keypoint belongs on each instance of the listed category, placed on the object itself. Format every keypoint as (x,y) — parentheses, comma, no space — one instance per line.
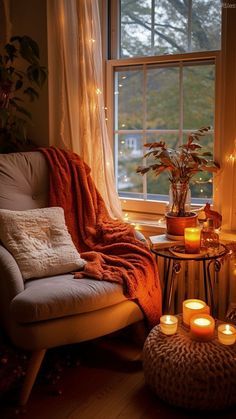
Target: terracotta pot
(175,225)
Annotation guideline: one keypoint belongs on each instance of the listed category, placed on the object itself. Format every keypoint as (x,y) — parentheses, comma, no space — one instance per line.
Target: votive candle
(192,236)
(202,327)
(192,307)
(168,324)
(226,334)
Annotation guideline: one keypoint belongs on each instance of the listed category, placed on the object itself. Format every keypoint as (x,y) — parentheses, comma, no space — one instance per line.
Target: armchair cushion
(39,241)
(61,296)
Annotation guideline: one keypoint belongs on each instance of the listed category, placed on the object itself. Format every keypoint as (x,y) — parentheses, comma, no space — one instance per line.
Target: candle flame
(202,322)
(195,305)
(227,330)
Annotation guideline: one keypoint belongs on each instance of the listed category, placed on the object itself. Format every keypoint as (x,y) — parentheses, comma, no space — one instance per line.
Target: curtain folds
(76,104)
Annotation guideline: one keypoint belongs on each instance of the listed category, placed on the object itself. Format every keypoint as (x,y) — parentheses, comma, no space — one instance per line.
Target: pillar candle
(168,324)
(192,307)
(202,327)
(227,334)
(192,237)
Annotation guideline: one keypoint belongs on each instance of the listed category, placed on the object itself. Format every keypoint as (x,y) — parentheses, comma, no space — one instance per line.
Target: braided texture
(190,374)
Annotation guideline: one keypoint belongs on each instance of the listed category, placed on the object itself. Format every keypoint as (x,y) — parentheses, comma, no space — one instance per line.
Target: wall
(29,17)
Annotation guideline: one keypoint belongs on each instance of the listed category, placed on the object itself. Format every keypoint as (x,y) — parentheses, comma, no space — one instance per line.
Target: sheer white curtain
(77,116)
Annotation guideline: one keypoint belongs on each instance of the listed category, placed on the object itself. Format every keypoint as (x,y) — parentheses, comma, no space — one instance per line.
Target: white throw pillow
(39,241)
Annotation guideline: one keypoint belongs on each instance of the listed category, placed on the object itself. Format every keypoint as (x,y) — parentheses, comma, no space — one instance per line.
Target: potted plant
(181,164)
(21,76)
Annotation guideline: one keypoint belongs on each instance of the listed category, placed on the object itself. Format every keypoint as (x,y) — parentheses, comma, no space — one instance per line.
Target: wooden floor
(102,380)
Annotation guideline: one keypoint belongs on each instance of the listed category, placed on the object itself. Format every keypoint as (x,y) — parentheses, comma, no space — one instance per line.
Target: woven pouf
(190,374)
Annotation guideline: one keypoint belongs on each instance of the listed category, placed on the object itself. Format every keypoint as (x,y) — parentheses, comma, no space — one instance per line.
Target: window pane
(160,185)
(169,27)
(162,97)
(206,25)
(199,95)
(135,28)
(130,153)
(129,99)
(202,183)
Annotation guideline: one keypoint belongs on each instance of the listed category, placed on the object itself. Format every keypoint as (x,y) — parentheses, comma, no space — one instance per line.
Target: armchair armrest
(11,283)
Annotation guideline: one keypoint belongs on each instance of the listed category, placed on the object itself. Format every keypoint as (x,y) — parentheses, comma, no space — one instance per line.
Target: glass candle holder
(192,239)
(202,327)
(192,307)
(168,324)
(227,334)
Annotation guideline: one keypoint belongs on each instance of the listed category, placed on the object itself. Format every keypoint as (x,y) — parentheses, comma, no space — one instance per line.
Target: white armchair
(52,311)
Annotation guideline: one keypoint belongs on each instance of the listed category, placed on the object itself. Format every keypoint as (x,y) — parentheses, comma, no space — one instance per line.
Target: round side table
(173,265)
(190,374)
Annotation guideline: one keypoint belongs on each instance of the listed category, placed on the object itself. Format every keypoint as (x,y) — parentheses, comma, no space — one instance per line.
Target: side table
(173,264)
(190,374)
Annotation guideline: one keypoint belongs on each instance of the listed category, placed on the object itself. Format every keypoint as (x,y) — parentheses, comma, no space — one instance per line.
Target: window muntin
(158,27)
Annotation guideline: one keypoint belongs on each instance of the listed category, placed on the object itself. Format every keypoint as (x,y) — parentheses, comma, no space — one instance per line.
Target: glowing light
(124,77)
(98,91)
(92,40)
(201,190)
(123,125)
(123,142)
(200,178)
(120,85)
(106,119)
(126,217)
(116,93)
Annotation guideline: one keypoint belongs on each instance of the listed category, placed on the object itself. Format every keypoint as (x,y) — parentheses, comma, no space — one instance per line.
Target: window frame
(139,205)
(224,192)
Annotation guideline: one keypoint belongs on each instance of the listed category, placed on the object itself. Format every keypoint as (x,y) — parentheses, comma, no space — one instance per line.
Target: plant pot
(175,225)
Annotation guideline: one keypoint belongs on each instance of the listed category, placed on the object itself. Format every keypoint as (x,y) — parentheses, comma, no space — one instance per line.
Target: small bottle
(209,237)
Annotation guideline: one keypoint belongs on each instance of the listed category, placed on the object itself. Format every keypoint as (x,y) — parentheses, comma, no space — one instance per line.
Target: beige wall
(29,17)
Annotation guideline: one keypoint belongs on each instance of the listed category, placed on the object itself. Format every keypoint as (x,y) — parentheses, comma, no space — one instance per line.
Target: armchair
(51,311)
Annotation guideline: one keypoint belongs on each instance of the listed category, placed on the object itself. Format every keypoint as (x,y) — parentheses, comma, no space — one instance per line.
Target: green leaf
(29,49)
(32,93)
(20,109)
(18,84)
(11,52)
(37,74)
(4,115)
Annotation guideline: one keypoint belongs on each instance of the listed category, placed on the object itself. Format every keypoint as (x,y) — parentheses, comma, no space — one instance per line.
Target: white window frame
(224,192)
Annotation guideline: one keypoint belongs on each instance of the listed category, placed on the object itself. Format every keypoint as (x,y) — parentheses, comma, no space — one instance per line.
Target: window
(162,79)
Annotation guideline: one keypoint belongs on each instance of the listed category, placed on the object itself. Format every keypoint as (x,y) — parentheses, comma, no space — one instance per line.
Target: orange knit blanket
(109,246)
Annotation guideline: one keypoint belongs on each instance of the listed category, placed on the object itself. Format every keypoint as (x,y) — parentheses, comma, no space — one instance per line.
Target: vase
(179,199)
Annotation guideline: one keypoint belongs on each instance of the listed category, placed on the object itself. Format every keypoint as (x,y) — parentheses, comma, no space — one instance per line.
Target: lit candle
(192,307)
(227,334)
(168,324)
(202,327)
(192,237)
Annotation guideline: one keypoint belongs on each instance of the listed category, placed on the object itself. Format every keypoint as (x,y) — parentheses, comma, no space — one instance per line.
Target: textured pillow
(39,241)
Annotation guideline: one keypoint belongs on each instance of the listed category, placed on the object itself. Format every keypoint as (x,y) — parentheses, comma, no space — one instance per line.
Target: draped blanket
(109,246)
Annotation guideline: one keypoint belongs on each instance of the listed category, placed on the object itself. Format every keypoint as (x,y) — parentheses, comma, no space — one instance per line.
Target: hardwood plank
(103,386)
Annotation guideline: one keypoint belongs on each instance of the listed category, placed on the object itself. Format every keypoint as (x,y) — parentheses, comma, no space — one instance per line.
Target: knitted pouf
(190,374)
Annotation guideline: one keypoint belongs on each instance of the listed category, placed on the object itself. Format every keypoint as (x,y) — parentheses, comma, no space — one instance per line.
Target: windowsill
(157,225)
